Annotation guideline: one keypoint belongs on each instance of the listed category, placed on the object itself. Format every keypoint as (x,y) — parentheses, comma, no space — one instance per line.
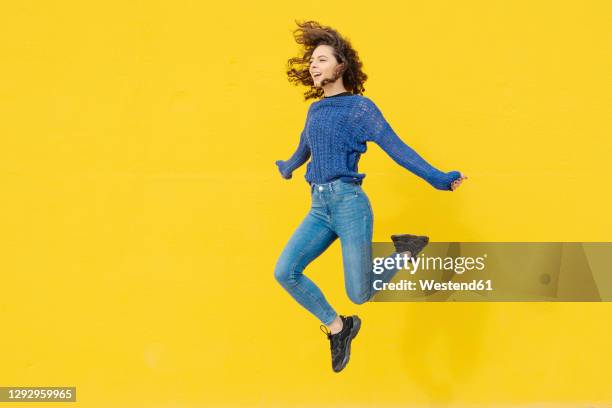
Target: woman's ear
(340,68)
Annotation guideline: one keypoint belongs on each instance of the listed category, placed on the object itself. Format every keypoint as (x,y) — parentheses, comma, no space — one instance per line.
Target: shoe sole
(354,331)
(409,237)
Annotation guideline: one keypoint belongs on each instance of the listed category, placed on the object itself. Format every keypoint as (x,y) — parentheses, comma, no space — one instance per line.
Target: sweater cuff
(281,168)
(452,176)
(444,180)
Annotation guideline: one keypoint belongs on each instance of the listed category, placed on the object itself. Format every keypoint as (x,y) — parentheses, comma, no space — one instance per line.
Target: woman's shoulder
(364,103)
(367,107)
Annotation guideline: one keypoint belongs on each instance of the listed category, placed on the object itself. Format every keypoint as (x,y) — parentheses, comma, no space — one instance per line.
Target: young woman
(337,128)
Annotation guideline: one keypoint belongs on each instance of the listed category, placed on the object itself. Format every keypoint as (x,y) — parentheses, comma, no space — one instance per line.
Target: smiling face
(323,65)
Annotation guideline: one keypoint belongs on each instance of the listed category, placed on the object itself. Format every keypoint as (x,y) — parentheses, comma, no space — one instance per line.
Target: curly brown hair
(311,34)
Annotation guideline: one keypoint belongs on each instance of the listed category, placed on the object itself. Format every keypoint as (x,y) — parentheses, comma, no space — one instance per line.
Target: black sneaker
(409,242)
(340,343)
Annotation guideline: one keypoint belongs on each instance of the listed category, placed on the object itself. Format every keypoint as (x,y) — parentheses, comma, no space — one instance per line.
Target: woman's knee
(358,298)
(285,272)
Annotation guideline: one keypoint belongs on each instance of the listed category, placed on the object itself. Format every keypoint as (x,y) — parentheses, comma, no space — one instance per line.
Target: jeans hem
(330,322)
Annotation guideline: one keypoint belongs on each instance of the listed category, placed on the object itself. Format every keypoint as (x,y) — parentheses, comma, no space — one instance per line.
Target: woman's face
(323,65)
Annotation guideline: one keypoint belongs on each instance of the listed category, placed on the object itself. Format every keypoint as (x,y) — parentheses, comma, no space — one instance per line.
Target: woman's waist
(337,185)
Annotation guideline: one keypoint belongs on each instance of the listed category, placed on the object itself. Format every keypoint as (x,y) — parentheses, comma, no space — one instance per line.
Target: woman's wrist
(281,168)
(444,180)
(453,175)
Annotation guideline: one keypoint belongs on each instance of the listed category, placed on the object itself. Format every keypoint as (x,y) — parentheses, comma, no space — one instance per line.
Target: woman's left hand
(457,182)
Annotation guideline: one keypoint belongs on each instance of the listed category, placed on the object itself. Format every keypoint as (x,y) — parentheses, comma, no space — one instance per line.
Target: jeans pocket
(347,195)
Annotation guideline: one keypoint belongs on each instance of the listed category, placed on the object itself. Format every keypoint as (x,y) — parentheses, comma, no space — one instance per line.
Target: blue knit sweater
(335,135)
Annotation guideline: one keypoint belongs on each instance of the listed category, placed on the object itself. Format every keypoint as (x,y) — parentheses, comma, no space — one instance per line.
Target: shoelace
(333,343)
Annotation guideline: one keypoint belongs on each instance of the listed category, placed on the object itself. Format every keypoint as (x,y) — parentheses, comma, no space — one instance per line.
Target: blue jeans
(339,209)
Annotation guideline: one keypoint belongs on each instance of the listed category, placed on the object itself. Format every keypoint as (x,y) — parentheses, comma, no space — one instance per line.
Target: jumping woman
(338,126)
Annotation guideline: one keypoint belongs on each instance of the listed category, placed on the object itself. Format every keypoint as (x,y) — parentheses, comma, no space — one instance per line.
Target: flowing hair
(311,34)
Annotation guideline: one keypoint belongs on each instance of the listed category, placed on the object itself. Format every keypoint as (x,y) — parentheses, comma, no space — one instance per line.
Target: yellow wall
(142,213)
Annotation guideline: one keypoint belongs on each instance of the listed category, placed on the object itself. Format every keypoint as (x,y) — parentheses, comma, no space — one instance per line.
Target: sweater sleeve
(299,157)
(374,127)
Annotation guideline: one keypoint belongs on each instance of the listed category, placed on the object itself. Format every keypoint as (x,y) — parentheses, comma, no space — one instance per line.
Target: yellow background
(142,213)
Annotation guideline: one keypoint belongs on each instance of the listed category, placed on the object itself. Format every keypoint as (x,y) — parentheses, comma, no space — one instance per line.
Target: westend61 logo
(458,265)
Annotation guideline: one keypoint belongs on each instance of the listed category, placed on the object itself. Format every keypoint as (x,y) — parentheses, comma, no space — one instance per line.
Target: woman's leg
(354,225)
(312,237)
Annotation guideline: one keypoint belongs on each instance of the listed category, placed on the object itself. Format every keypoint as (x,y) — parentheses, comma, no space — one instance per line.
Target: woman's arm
(298,158)
(374,127)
